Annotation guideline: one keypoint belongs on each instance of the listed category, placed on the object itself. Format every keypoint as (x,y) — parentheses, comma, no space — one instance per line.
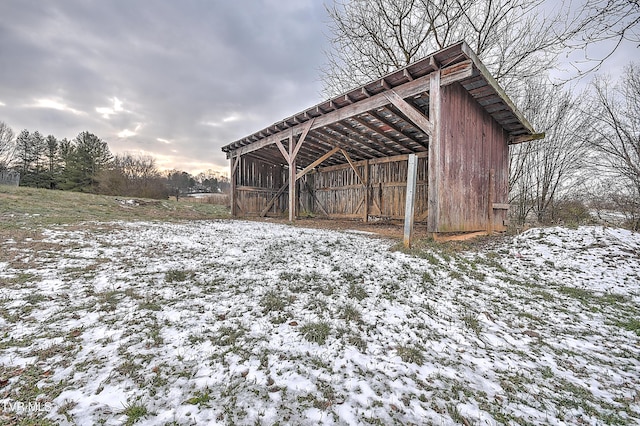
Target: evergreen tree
(52,157)
(24,152)
(89,156)
(38,150)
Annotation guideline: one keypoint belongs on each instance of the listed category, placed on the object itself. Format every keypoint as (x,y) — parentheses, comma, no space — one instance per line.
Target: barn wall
(472,143)
(340,192)
(257,182)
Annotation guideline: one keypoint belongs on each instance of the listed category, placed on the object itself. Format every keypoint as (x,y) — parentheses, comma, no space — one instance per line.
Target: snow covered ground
(232,322)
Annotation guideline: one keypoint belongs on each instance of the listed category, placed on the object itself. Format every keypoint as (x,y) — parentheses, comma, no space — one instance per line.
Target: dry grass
(215,199)
(24,212)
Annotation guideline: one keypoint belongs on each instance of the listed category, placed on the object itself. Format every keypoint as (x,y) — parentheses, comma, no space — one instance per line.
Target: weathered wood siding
(472,143)
(341,193)
(257,183)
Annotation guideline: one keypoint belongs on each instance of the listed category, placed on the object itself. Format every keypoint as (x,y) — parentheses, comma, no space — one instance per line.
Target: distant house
(348,157)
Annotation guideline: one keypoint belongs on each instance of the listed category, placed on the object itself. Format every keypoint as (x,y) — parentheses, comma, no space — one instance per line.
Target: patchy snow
(232,322)
(592,258)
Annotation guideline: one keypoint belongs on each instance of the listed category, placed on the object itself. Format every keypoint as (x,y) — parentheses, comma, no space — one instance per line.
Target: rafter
(414,114)
(380,132)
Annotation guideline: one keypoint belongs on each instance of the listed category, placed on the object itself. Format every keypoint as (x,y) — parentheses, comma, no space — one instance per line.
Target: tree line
(86,164)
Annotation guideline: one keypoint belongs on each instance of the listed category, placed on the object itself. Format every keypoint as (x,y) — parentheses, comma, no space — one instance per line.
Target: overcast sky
(174,79)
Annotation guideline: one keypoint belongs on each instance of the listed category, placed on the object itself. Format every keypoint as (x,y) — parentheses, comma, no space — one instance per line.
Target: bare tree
(545,169)
(133,175)
(616,137)
(7,146)
(604,26)
(516,39)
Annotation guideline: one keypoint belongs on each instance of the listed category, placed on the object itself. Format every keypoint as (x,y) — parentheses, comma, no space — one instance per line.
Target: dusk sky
(173,79)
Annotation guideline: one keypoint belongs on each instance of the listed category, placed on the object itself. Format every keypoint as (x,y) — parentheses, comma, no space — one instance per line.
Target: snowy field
(231,322)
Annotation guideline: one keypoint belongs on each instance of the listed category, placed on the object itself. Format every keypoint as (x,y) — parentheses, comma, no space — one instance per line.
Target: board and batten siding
(472,144)
(257,182)
(342,194)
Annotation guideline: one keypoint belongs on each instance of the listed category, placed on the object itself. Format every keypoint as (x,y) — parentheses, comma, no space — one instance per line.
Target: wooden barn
(426,143)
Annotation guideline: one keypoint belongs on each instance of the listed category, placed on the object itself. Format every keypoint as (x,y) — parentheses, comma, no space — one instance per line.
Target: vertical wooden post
(435,167)
(412,173)
(232,185)
(366,191)
(491,196)
(292,181)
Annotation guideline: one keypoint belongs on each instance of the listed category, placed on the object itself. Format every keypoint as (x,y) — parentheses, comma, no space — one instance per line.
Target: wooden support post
(292,181)
(492,174)
(233,165)
(412,174)
(366,191)
(435,170)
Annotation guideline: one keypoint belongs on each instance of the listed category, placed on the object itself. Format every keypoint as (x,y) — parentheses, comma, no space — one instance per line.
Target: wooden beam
(315,163)
(313,195)
(372,161)
(305,132)
(366,191)
(456,72)
(324,143)
(412,113)
(491,196)
(346,155)
(293,204)
(384,120)
(501,206)
(434,170)
(407,74)
(233,165)
(352,142)
(419,85)
(514,140)
(494,84)
(360,203)
(363,133)
(273,199)
(378,131)
(409,210)
(283,151)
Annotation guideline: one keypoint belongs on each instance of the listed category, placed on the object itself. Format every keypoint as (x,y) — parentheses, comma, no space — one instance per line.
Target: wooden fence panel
(341,193)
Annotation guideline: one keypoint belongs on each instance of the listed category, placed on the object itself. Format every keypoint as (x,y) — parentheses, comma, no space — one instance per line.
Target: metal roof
(367,125)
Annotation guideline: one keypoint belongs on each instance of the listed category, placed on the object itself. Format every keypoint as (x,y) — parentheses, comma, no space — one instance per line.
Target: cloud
(185,69)
(107,112)
(54,104)
(126,133)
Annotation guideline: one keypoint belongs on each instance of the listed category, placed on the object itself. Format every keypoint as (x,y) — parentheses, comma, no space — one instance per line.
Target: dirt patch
(393,229)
